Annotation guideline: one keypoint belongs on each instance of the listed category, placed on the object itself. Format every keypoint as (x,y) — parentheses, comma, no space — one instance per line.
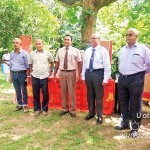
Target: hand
(28,80)
(83,81)
(104,84)
(10,80)
(77,78)
(54,77)
(50,73)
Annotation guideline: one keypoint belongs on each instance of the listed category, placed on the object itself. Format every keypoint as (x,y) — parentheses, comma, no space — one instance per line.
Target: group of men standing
(94,69)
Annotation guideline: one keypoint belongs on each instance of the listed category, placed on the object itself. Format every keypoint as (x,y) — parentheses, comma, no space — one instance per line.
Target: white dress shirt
(101,61)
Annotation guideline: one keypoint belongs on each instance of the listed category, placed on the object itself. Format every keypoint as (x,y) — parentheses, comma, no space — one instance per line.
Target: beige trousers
(68,86)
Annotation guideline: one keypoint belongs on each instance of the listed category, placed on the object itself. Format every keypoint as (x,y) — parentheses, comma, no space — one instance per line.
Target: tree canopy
(25,17)
(90,10)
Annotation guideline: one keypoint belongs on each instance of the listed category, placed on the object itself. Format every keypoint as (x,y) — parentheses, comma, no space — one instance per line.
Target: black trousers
(130,91)
(38,84)
(95,91)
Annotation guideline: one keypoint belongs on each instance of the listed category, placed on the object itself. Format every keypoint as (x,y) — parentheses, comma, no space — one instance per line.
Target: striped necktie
(66,60)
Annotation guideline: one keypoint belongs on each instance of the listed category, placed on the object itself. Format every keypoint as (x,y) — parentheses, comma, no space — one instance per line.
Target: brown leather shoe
(36,113)
(63,112)
(45,113)
(18,108)
(73,115)
(25,109)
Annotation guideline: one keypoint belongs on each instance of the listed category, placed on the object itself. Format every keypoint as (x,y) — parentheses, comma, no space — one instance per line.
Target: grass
(19,131)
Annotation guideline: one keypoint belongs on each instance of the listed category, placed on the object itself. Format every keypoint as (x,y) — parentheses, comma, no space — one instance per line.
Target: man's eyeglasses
(15,42)
(94,38)
(130,34)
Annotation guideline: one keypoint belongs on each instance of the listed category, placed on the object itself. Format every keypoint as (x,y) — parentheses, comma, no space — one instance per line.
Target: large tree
(90,10)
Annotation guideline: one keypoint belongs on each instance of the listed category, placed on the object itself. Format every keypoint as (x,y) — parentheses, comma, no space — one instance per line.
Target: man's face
(67,41)
(5,52)
(131,37)
(94,40)
(39,45)
(16,44)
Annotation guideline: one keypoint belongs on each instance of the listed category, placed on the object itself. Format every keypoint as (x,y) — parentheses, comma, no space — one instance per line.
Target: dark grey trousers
(130,91)
(95,91)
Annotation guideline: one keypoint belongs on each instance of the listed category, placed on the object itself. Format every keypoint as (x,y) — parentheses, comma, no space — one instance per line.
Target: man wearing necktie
(68,60)
(96,71)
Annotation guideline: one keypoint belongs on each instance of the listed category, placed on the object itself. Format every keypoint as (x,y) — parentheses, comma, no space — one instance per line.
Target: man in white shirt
(6,60)
(96,71)
(41,64)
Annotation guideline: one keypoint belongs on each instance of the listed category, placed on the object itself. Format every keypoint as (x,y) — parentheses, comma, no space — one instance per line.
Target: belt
(125,76)
(102,69)
(17,72)
(67,70)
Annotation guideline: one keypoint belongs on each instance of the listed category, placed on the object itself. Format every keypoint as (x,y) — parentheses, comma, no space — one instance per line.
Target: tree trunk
(90,10)
(89,15)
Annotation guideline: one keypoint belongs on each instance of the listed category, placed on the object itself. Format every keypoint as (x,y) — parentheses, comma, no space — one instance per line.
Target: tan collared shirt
(74,57)
(40,63)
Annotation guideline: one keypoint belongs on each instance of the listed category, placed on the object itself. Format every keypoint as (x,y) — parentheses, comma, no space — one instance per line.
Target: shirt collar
(98,46)
(135,45)
(19,51)
(68,47)
(38,51)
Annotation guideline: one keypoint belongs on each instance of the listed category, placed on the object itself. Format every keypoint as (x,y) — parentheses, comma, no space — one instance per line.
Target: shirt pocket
(74,57)
(137,59)
(98,59)
(44,59)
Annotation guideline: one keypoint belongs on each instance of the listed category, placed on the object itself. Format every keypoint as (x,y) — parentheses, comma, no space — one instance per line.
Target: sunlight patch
(7,91)
(16,137)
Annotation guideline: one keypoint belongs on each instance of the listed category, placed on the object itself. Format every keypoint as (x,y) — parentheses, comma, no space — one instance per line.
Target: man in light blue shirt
(96,71)
(134,61)
(19,69)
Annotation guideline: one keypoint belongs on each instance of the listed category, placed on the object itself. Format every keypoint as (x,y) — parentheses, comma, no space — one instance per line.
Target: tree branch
(70,2)
(101,3)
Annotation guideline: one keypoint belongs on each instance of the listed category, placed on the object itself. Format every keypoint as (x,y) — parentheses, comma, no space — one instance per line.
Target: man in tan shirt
(40,61)
(68,60)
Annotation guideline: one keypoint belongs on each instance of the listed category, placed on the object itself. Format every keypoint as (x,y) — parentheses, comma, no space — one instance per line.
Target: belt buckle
(16,72)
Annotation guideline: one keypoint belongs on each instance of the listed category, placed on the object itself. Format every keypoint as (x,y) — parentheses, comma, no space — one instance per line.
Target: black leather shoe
(121,127)
(133,134)
(63,113)
(99,121)
(88,117)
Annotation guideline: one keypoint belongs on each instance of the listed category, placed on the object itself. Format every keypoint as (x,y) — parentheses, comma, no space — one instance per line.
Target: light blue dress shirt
(101,61)
(19,61)
(133,60)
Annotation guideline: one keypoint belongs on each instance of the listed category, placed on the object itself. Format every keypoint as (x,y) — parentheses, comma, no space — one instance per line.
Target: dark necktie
(91,60)
(66,60)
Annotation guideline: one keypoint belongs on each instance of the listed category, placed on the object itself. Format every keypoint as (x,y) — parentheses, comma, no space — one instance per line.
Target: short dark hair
(69,36)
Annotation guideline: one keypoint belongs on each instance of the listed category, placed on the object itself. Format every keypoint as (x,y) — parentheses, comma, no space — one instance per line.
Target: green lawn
(19,131)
